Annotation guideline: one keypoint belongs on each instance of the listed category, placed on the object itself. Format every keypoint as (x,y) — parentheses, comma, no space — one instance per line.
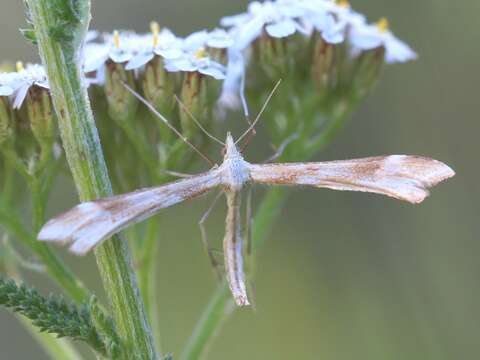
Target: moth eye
(223,151)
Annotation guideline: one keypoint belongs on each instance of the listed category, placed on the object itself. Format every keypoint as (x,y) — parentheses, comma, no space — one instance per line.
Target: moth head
(230,150)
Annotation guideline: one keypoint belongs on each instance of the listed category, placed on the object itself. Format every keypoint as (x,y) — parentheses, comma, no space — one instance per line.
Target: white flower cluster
(16,84)
(136,50)
(334,20)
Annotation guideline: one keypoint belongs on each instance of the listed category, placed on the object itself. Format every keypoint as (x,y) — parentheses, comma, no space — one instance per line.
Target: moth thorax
(235,173)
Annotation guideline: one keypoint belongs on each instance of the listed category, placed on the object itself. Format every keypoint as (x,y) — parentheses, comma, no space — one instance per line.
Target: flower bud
(122,104)
(6,130)
(322,64)
(159,85)
(367,70)
(270,52)
(41,115)
(194,97)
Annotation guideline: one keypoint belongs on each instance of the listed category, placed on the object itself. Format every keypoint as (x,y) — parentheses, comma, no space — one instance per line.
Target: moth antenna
(189,113)
(166,122)
(252,126)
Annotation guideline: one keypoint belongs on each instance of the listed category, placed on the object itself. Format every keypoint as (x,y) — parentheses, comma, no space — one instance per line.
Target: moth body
(234,169)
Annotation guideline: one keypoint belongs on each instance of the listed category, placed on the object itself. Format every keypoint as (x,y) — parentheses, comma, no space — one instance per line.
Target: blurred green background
(343,275)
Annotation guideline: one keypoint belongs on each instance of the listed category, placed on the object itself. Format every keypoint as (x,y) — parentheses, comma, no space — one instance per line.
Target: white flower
(194,57)
(163,43)
(16,84)
(369,37)
(218,39)
(196,61)
(280,19)
(136,50)
(119,47)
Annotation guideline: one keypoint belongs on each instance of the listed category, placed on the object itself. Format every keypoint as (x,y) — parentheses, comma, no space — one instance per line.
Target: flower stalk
(60,28)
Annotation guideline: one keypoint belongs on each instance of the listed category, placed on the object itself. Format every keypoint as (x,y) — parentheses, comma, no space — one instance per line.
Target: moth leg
(211,251)
(281,148)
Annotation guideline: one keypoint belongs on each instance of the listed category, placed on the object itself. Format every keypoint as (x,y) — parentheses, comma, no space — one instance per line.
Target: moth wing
(88,224)
(402,177)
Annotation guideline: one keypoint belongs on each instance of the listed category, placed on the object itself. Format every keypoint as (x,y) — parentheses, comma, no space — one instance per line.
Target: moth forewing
(402,177)
(88,224)
(233,249)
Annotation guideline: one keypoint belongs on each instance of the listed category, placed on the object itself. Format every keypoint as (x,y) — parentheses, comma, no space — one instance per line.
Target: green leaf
(55,315)
(29,34)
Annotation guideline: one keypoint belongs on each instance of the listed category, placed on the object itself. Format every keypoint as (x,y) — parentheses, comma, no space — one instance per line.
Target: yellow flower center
(155,29)
(201,53)
(19,66)
(382,24)
(343,3)
(116,39)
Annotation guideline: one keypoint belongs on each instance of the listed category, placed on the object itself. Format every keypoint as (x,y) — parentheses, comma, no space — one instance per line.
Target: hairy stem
(60,36)
(147,282)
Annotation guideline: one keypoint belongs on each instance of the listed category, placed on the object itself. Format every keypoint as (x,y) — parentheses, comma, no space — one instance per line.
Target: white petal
(234,20)
(169,53)
(43,83)
(214,71)
(195,40)
(321,21)
(139,60)
(6,90)
(282,28)
(365,38)
(398,51)
(94,62)
(119,56)
(291,10)
(248,33)
(91,35)
(20,96)
(180,65)
(335,31)
(219,39)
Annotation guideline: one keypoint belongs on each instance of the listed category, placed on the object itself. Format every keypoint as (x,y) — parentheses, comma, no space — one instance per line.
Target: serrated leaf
(53,314)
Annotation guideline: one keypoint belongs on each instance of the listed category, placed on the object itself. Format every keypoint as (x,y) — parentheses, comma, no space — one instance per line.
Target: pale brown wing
(88,224)
(400,176)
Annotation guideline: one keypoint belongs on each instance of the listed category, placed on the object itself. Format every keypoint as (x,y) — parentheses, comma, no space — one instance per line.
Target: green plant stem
(38,206)
(340,117)
(217,310)
(146,279)
(60,55)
